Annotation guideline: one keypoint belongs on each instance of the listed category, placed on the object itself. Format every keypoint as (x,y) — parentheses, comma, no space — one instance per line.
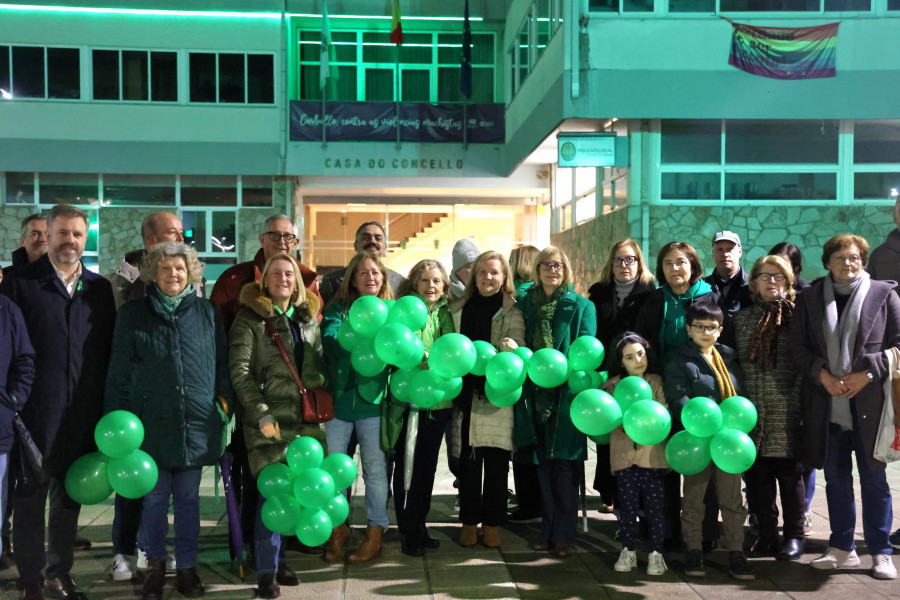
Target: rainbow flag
(784,52)
(396,25)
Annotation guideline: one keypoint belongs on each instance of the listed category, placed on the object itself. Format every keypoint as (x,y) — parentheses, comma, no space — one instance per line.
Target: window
(71,188)
(781,142)
(876,142)
(235,78)
(210,231)
(39,72)
(214,190)
(135,75)
(19,188)
(256,191)
(725,6)
(541,23)
(144,190)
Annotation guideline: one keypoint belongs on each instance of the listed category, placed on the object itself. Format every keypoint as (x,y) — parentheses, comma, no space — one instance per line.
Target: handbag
(317,405)
(31,461)
(887,442)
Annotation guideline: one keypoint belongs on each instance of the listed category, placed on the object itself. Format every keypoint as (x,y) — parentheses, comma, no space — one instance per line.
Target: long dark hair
(614,365)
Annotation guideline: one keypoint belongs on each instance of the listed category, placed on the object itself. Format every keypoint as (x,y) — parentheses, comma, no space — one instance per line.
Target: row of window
(137,75)
(754,6)
(542,21)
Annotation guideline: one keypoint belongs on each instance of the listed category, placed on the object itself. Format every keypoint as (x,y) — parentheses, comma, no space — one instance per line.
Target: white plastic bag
(887,443)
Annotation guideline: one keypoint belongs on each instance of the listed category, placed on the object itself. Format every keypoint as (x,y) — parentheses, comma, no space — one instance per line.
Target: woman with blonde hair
(521,264)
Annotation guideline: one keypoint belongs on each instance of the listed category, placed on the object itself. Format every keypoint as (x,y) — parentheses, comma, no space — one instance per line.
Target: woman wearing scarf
(770,381)
(169,365)
(429,282)
(481,431)
(702,367)
(843,324)
(544,432)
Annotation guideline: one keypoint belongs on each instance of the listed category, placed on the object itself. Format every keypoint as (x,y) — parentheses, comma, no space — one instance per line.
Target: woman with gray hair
(169,367)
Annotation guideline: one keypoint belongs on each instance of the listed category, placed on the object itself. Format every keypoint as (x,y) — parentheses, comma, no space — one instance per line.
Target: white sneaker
(170,564)
(835,558)
(883,567)
(656,564)
(627,561)
(807,523)
(122,568)
(143,564)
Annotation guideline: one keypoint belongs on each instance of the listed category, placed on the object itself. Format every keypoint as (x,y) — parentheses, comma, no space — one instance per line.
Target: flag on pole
(396,25)
(465,67)
(327,70)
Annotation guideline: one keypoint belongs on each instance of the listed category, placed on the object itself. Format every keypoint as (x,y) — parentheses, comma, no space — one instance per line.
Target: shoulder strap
(284,354)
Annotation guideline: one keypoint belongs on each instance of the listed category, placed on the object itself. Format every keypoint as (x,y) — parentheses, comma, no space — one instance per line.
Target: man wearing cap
(728,279)
(370,236)
(464,254)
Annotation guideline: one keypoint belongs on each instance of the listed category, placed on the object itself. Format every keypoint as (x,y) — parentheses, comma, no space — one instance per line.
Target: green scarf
(673,334)
(545,309)
(170,303)
(438,323)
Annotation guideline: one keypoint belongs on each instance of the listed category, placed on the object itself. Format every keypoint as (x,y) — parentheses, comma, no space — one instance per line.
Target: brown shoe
(335,551)
(469,536)
(371,546)
(491,537)
(561,550)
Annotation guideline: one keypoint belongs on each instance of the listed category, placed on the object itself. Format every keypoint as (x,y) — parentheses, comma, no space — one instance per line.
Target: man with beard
(32,243)
(70,314)
(370,236)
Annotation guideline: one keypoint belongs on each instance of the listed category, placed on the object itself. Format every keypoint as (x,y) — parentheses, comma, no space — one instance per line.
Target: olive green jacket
(262,380)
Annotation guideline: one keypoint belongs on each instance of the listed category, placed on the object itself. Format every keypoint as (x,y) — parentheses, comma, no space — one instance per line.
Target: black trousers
(29,528)
(559,480)
(761,479)
(604,481)
(483,476)
(528,489)
(411,519)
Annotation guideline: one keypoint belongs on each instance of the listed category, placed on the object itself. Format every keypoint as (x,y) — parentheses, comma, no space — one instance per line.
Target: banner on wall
(377,122)
(784,52)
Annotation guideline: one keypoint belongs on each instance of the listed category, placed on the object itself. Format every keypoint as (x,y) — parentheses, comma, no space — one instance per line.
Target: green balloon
(594,412)
(400,381)
(367,315)
(347,336)
(395,344)
(580,381)
(452,387)
(389,304)
(647,422)
(337,508)
(502,398)
(426,389)
(505,371)
(599,378)
(119,433)
(586,353)
(133,476)
(738,413)
(732,451)
(701,416)
(87,480)
(687,454)
(483,351)
(373,389)
(364,359)
(275,479)
(313,526)
(548,368)
(342,469)
(452,355)
(417,353)
(524,353)
(304,453)
(631,389)
(600,440)
(410,311)
(280,513)
(313,488)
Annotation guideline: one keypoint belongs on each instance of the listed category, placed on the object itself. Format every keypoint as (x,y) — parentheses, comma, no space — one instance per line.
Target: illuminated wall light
(216,14)
(381,17)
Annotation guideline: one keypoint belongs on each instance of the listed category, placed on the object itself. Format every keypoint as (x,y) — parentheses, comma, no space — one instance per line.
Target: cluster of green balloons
(716,432)
(379,333)
(303,497)
(596,413)
(118,466)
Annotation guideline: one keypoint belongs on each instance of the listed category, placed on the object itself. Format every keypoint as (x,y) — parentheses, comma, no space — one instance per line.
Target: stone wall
(120,233)
(587,245)
(250,222)
(11,217)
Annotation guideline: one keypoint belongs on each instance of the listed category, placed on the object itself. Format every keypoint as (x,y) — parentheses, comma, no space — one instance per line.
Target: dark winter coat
(168,369)
(575,316)
(263,382)
(734,297)
(16,369)
(884,261)
(19,259)
(879,329)
(72,337)
(611,322)
(688,374)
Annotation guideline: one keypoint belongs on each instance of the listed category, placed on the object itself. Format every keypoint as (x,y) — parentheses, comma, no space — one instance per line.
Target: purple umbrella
(234,512)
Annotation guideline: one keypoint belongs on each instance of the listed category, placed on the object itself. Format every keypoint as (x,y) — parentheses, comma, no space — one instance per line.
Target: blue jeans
(4,476)
(374,464)
(269,549)
(875,493)
(183,485)
(126,521)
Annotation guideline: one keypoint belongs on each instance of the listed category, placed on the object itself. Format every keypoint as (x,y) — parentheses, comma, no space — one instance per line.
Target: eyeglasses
(776,277)
(853,259)
(277,236)
(551,266)
(707,329)
(624,261)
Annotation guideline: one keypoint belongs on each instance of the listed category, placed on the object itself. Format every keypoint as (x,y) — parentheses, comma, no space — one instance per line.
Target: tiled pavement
(514,571)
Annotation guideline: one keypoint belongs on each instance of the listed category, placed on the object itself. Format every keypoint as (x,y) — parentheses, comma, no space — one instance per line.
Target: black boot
(154,580)
(188,583)
(266,587)
(428,541)
(410,546)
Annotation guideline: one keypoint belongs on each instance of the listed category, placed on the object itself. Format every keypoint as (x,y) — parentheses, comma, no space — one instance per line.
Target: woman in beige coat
(482,432)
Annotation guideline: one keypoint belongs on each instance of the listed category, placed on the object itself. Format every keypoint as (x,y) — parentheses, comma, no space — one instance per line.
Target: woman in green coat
(268,393)
(544,433)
